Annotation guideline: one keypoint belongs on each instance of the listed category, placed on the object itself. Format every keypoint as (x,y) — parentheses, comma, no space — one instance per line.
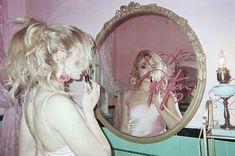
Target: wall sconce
(224,90)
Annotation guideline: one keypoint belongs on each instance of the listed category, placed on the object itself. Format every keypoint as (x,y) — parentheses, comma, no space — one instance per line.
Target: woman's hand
(90,96)
(157,99)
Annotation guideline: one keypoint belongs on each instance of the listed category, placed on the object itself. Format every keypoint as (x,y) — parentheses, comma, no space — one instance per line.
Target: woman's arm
(124,114)
(90,99)
(170,112)
(96,130)
(26,141)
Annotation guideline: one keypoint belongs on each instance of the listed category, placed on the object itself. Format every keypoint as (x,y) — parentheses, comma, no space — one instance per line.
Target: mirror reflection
(150,107)
(149,71)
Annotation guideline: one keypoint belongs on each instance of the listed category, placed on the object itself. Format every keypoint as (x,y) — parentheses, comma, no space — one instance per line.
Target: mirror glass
(152,71)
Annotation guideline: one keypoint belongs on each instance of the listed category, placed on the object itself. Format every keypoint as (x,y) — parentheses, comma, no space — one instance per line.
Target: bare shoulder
(58,101)
(127,96)
(60,107)
(129,93)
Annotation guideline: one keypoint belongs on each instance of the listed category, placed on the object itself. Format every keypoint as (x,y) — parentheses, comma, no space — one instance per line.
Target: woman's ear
(60,56)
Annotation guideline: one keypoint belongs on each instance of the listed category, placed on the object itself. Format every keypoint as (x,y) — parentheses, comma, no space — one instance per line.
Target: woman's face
(73,66)
(149,70)
(145,66)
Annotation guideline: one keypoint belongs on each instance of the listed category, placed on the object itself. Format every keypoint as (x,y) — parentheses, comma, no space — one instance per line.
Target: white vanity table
(212,132)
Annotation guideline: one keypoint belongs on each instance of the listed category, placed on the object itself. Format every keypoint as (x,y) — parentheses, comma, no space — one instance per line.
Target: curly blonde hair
(31,54)
(21,42)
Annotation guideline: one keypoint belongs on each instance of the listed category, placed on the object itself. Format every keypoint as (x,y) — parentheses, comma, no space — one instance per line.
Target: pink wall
(15,9)
(154,33)
(212,22)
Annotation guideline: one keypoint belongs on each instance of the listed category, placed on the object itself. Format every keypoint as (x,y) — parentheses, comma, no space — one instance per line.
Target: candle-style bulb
(223,74)
(222,60)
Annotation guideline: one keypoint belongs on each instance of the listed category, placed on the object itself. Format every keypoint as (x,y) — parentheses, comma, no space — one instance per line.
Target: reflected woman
(149,108)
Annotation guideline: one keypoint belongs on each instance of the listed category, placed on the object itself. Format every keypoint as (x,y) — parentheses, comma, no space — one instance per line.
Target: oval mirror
(168,47)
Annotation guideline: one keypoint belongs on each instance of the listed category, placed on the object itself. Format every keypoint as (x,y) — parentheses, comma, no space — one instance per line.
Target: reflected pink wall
(146,32)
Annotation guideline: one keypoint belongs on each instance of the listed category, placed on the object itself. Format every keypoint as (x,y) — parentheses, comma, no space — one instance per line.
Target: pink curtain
(9,127)
(9,131)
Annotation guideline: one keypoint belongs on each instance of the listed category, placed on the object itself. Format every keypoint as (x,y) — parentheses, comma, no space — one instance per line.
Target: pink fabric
(2,57)
(9,130)
(4,24)
(145,120)
(66,151)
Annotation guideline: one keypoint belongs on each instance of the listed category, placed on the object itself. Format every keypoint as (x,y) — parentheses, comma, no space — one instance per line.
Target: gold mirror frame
(132,10)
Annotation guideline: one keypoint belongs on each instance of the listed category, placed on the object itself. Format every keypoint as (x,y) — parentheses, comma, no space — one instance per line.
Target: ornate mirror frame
(135,9)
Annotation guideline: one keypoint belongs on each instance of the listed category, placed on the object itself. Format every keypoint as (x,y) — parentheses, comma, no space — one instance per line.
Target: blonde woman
(42,59)
(149,109)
